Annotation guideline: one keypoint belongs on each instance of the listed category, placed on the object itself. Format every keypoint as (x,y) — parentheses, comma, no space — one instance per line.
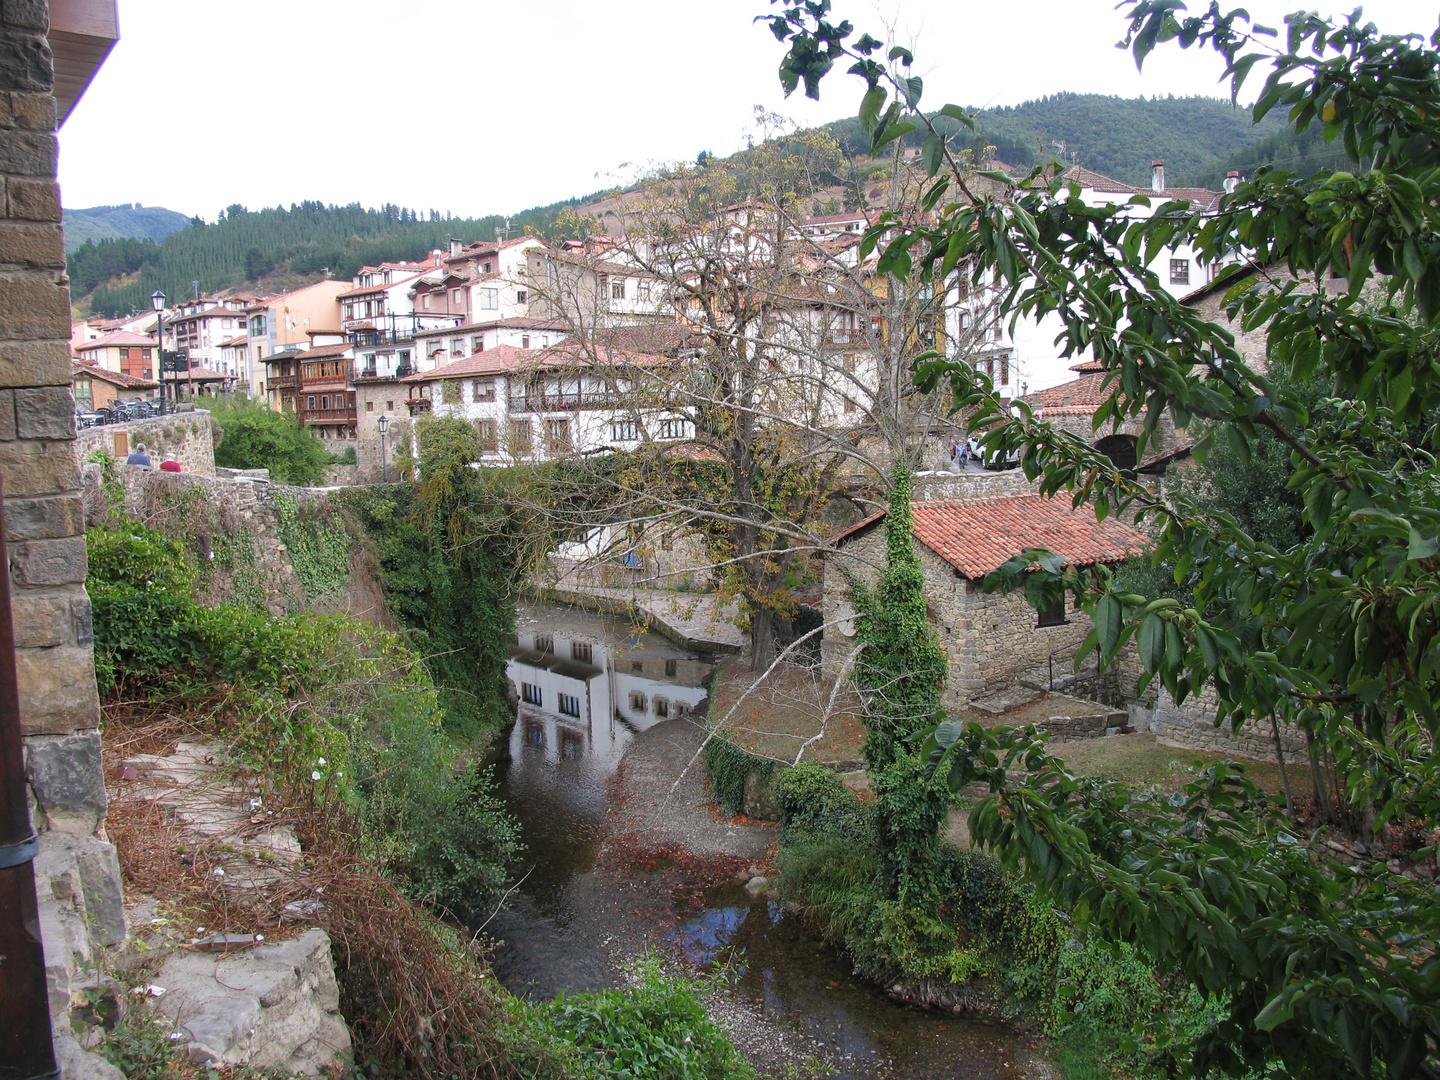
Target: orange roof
(976,536)
(1087,393)
(120,337)
(114,378)
(508,358)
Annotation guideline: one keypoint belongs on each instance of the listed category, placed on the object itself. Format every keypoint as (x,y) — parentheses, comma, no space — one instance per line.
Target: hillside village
(507,335)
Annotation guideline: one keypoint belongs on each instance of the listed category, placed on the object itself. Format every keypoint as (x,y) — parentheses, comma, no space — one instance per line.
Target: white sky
(494,106)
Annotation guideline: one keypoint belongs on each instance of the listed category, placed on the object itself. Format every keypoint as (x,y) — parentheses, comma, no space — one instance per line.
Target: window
(662,708)
(1179,271)
(531,694)
(124,354)
(674,428)
(458,296)
(522,438)
(997,332)
(521,296)
(671,666)
(425,301)
(369,406)
(1054,615)
(310,401)
(486,268)
(84,393)
(450,393)
(637,701)
(524,341)
(617,290)
(624,430)
(637,665)
(489,298)
(535,734)
(324,401)
(557,435)
(642,290)
(569,705)
(483,390)
(582,651)
(488,432)
(144,354)
(389,406)
(477,343)
(544,643)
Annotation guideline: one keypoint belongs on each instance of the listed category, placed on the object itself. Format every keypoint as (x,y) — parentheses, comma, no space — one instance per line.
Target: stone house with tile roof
(991,640)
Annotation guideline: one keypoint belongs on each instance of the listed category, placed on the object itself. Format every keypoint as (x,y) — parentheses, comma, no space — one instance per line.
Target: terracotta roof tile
(976,536)
(1086,393)
(119,337)
(114,378)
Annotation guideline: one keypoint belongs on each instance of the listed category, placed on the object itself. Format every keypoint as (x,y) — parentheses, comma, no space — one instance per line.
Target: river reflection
(586,684)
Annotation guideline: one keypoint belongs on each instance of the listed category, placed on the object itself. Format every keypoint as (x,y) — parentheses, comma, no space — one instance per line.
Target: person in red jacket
(169,464)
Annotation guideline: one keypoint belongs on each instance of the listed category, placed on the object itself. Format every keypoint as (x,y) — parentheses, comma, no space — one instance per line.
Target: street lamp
(157,301)
(383,423)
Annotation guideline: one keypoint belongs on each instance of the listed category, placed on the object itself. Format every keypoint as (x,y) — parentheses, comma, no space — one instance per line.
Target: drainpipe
(26,1046)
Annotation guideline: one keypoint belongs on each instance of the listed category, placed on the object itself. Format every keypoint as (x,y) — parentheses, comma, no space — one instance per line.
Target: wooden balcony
(282,382)
(327,416)
(562,402)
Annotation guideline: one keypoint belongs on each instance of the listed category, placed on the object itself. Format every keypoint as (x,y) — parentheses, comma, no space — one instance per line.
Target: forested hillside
(1199,138)
(113,222)
(1196,137)
(246,246)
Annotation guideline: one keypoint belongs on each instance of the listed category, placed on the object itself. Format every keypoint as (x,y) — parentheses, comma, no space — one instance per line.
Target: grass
(1140,759)
(790,706)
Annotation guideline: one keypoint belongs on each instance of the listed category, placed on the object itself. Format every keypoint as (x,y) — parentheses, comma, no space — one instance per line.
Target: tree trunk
(1280,759)
(1317,782)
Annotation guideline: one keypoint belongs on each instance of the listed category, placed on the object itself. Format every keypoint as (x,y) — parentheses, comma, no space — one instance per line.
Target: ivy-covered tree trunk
(900,674)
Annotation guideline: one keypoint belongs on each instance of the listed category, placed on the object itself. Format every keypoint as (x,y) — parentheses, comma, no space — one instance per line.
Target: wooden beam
(82,33)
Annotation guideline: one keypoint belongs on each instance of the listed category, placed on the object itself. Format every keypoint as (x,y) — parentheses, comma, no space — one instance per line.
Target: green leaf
(870,106)
(1152,642)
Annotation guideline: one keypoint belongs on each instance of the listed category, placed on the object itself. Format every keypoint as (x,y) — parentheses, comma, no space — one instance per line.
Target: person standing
(169,464)
(139,456)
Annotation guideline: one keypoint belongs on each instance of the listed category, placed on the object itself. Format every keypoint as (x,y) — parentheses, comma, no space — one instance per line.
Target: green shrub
(654,1029)
(812,797)
(257,437)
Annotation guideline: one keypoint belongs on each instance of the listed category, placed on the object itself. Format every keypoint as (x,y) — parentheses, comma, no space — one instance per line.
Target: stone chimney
(1231,180)
(455,246)
(1157,175)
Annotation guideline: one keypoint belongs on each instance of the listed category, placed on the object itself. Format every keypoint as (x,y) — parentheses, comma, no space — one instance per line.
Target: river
(590,686)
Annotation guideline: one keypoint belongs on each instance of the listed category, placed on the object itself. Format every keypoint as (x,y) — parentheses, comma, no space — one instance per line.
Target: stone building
(991,640)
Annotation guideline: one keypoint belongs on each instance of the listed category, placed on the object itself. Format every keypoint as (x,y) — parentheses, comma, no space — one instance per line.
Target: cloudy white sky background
(494,106)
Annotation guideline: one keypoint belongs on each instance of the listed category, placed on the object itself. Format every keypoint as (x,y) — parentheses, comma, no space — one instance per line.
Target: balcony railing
(370,375)
(367,338)
(562,402)
(327,416)
(281,382)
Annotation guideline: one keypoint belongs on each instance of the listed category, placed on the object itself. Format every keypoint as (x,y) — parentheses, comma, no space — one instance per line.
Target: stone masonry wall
(191,436)
(1192,726)
(990,640)
(77,874)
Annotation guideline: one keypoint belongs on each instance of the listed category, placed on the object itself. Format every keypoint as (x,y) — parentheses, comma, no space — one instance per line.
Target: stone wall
(991,640)
(239,514)
(77,876)
(1192,726)
(930,486)
(191,436)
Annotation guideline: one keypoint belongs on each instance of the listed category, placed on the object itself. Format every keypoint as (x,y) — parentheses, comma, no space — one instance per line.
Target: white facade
(529,406)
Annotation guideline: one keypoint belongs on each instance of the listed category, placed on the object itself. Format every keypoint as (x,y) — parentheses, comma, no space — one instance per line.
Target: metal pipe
(27,1051)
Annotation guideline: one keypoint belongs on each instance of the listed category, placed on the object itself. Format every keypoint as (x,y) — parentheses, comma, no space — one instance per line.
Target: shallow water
(559,927)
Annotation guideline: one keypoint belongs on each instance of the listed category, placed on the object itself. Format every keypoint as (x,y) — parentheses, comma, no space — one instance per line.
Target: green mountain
(1195,136)
(282,246)
(113,222)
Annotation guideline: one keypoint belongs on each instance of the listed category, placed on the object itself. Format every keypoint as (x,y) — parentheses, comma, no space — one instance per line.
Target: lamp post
(383,423)
(157,301)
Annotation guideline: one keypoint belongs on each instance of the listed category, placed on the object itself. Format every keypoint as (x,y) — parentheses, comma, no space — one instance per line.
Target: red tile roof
(508,358)
(119,337)
(1088,392)
(976,536)
(114,378)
